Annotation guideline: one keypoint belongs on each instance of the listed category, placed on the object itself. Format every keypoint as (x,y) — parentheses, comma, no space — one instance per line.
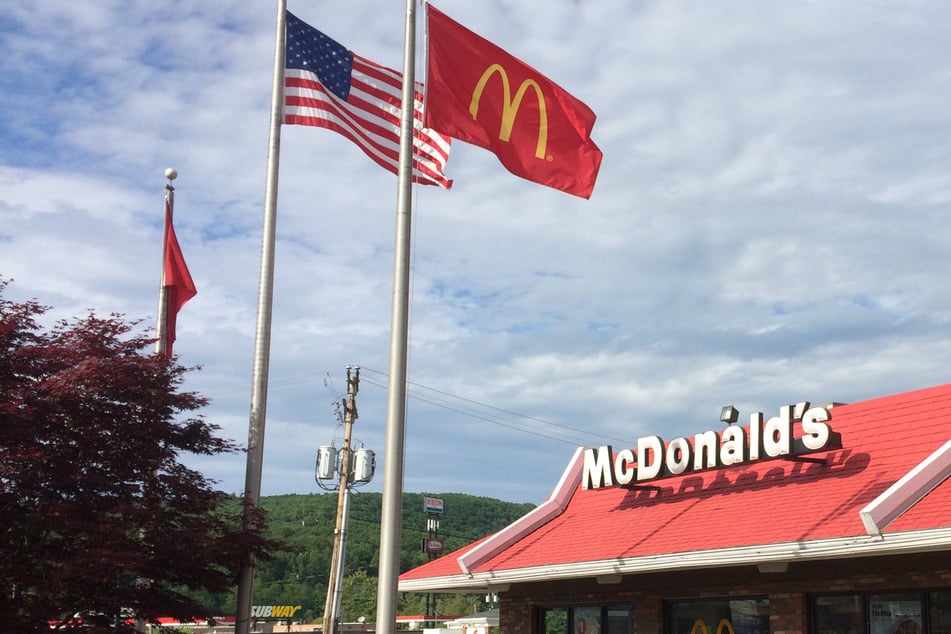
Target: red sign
(433,545)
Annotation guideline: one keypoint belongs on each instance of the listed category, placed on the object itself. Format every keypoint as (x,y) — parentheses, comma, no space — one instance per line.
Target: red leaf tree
(98,515)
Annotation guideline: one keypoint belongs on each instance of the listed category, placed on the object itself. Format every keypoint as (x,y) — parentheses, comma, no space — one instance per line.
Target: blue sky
(769,224)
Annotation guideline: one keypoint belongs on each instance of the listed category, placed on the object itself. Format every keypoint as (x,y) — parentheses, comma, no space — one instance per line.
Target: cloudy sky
(768,225)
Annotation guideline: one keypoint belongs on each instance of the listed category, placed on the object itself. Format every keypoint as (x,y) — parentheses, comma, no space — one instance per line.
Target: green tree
(456,604)
(358,597)
(98,515)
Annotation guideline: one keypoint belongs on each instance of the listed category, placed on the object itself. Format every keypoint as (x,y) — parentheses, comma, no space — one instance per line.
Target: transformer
(326,462)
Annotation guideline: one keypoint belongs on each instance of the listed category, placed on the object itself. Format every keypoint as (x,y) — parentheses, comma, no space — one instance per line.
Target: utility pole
(331,609)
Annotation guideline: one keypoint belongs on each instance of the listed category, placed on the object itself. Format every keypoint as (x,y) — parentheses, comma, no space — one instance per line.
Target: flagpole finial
(171,173)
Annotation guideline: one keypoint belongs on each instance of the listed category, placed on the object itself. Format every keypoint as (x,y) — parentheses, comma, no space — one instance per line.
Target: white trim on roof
(552,507)
(838,548)
(905,493)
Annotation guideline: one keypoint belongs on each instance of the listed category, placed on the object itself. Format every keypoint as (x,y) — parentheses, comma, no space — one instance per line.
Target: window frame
(927,599)
(714,628)
(570,616)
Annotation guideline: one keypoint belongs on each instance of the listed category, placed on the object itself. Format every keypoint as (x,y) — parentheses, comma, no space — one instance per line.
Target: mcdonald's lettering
(723,627)
(653,459)
(510,105)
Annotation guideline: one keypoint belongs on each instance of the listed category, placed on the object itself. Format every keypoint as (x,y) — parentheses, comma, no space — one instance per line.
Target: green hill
(307,522)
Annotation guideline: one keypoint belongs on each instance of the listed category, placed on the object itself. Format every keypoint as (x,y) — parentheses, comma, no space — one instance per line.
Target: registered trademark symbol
(549,158)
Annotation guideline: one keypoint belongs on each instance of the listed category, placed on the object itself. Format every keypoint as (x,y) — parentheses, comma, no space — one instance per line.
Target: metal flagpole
(262,337)
(161,326)
(391,514)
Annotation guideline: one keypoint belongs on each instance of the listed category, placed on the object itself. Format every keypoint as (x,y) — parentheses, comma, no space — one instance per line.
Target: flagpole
(391,514)
(161,326)
(161,317)
(262,337)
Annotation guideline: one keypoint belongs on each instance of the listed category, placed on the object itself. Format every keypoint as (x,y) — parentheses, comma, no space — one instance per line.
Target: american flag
(328,86)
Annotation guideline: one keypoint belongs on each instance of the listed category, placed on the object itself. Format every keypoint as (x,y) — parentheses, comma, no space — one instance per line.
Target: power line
(493,419)
(486,418)
(422,531)
(459,405)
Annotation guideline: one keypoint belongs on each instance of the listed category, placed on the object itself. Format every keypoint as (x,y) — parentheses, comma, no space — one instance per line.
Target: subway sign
(274,611)
(798,430)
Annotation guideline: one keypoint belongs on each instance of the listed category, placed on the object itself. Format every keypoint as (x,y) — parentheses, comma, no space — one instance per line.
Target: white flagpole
(161,318)
(391,515)
(262,337)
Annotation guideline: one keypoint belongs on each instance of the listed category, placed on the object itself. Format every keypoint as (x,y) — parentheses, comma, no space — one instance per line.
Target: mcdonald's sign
(764,439)
(478,93)
(510,105)
(723,627)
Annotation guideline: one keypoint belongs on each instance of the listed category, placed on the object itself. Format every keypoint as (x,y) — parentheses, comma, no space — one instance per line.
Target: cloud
(768,225)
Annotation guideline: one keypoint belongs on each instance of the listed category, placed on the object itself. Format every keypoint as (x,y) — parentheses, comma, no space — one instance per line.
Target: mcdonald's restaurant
(812,519)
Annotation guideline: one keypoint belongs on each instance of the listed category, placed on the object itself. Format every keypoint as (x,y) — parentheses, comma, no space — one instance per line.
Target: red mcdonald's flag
(478,93)
(178,281)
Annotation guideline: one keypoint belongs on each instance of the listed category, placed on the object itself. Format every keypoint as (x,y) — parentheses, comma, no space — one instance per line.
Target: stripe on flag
(369,115)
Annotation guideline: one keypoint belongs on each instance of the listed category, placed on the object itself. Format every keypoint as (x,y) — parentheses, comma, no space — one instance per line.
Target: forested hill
(306,523)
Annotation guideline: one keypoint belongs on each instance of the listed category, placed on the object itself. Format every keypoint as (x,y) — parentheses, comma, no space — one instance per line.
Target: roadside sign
(432,505)
(433,545)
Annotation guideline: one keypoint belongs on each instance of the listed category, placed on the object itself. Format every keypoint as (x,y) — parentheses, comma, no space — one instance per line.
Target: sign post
(433,546)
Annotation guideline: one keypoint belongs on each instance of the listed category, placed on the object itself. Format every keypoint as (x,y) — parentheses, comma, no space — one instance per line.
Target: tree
(97,513)
(358,597)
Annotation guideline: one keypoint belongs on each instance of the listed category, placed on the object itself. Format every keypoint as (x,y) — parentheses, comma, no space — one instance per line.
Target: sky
(768,225)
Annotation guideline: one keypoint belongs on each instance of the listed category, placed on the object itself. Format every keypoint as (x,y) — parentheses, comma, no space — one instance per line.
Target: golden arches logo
(511,105)
(723,627)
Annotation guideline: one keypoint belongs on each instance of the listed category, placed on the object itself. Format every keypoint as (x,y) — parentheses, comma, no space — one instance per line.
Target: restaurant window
(718,616)
(898,613)
(841,614)
(939,611)
(882,613)
(587,619)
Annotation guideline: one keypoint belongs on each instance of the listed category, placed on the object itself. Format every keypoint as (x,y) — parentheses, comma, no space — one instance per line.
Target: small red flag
(178,281)
(478,93)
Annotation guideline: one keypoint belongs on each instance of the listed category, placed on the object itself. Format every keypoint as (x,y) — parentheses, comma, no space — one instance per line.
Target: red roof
(767,510)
